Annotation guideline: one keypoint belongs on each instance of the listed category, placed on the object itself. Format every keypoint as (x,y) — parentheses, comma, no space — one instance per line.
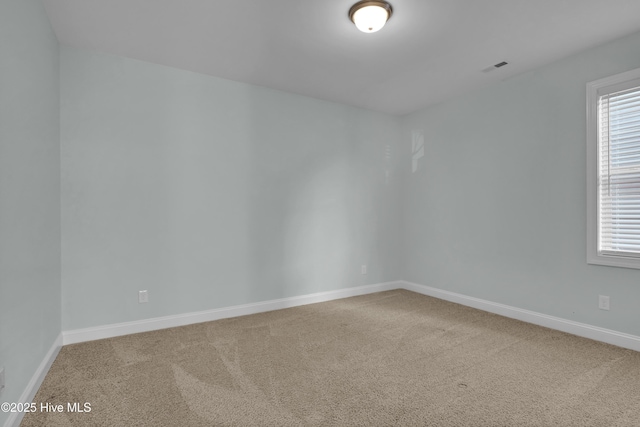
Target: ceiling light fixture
(370,16)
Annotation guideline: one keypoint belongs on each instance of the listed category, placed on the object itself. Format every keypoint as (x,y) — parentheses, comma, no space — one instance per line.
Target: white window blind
(619,173)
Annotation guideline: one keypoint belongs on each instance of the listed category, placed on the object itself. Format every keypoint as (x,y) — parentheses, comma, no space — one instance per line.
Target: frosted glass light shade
(370,16)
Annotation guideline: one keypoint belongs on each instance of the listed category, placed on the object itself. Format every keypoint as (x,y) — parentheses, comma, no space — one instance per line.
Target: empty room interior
(276,213)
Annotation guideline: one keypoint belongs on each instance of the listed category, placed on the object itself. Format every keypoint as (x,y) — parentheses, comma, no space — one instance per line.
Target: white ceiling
(430,50)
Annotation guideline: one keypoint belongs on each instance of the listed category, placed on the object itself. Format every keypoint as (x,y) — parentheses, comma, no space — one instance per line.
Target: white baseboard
(146,325)
(36,380)
(576,328)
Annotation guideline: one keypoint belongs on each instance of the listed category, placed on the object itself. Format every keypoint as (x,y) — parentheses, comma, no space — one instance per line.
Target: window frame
(595,89)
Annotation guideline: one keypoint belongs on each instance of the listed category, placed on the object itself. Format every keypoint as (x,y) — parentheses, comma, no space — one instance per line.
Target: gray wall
(496,209)
(29,192)
(210,193)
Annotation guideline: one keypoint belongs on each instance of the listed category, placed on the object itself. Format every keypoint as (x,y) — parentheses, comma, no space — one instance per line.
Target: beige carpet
(393,358)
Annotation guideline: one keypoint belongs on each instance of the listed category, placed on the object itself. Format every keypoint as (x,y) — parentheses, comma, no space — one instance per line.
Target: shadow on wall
(318,184)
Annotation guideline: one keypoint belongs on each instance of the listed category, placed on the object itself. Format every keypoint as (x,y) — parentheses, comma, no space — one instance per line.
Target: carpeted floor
(393,358)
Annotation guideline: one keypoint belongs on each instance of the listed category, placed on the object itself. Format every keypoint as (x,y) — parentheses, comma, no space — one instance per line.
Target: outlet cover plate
(603,302)
(143,297)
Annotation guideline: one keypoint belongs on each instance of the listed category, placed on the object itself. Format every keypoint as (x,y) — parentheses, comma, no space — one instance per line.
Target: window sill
(614,261)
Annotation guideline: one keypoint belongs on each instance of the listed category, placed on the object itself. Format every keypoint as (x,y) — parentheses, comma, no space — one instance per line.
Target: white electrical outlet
(603,302)
(1,380)
(143,296)
(363,269)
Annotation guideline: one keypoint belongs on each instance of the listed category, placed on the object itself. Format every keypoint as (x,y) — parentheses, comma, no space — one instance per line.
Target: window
(613,170)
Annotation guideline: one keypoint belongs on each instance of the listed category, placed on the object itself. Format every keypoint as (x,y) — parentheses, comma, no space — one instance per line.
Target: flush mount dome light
(370,16)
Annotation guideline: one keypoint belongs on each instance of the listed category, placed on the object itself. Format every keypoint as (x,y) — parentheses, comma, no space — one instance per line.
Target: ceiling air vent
(495,67)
